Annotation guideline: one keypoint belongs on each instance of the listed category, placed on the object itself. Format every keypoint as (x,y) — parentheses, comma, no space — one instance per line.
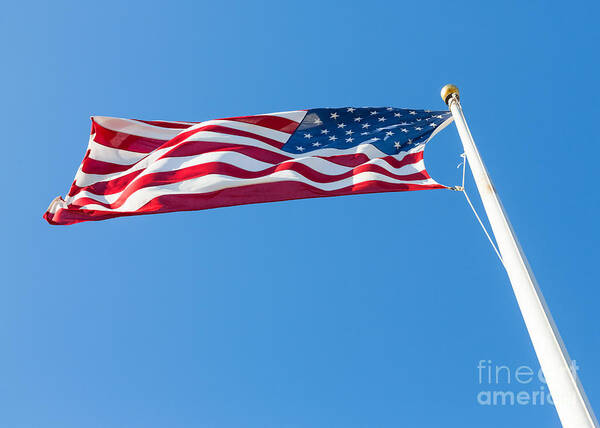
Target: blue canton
(391,130)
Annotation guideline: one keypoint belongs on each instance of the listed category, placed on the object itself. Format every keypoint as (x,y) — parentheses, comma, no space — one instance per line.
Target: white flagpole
(571,403)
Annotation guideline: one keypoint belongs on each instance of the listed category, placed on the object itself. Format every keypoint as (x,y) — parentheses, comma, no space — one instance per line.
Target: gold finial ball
(447,91)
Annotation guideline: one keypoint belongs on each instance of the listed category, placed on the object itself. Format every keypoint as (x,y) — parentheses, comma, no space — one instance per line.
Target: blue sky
(361,311)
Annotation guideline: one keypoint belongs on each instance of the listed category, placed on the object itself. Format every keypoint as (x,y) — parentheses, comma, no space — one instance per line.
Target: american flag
(142,167)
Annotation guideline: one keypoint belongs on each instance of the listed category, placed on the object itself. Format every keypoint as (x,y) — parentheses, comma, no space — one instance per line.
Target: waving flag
(143,167)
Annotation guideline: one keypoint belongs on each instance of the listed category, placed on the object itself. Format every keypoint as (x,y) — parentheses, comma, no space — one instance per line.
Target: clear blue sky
(363,311)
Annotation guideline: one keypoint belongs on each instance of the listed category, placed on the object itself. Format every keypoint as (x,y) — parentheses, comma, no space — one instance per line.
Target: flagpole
(572,406)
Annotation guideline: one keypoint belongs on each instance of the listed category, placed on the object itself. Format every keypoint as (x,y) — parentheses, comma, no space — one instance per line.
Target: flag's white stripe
(83,179)
(125,157)
(217,137)
(278,136)
(133,127)
(178,122)
(112,155)
(108,154)
(215,182)
(364,147)
(250,164)
(247,163)
(141,129)
(296,116)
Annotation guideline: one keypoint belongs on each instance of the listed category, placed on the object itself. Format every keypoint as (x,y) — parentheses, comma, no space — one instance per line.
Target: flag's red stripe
(189,148)
(165,124)
(124,141)
(398,163)
(195,148)
(258,193)
(94,166)
(276,123)
(223,129)
(354,160)
(170,177)
(108,187)
(135,143)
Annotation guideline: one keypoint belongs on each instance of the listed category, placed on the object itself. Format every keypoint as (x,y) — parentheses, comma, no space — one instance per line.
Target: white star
(357,119)
(307,136)
(341,125)
(397,115)
(300,148)
(349,140)
(397,145)
(334,115)
(350,132)
(433,125)
(373,112)
(382,119)
(439,116)
(389,109)
(318,121)
(418,128)
(375,139)
(409,141)
(412,112)
(364,133)
(405,124)
(418,120)
(389,134)
(332,138)
(427,111)
(324,131)
(351,110)
(316,144)
(404,130)
(366,125)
